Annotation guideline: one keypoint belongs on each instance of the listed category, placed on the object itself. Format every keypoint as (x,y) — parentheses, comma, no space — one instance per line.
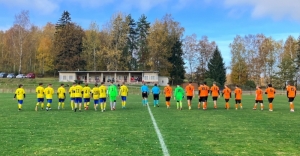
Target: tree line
(124,43)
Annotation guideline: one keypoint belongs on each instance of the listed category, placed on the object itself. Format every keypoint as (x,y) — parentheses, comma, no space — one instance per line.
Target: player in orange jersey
(227,95)
(258,98)
(203,94)
(270,91)
(291,94)
(190,91)
(238,97)
(215,93)
(168,94)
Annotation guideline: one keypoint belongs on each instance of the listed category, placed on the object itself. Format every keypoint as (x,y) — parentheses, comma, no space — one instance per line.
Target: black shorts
(168,98)
(145,95)
(155,96)
(206,97)
(270,100)
(215,98)
(238,101)
(226,100)
(291,99)
(259,101)
(202,99)
(189,98)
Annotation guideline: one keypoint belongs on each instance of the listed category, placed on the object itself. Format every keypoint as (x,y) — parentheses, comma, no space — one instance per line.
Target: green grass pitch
(130,131)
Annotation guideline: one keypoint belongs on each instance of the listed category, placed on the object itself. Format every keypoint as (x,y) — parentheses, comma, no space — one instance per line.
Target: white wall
(150,77)
(163,81)
(67,77)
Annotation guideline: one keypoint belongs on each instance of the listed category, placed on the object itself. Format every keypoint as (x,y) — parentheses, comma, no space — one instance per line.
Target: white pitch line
(161,139)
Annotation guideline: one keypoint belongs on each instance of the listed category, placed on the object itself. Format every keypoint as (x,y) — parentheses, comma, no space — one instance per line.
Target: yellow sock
(72,105)
(48,105)
(62,105)
(59,104)
(42,105)
(88,104)
(104,105)
(19,106)
(124,103)
(101,105)
(84,105)
(37,104)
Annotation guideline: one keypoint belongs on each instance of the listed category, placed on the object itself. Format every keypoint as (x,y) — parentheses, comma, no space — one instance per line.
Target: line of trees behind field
(124,43)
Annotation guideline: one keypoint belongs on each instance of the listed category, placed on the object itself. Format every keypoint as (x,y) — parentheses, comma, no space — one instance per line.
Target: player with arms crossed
(168,94)
(178,96)
(103,95)
(112,92)
(270,91)
(190,91)
(145,93)
(72,95)
(20,95)
(227,95)
(291,94)
(95,95)
(215,93)
(86,96)
(155,92)
(258,98)
(40,96)
(49,91)
(238,97)
(123,93)
(78,96)
(61,93)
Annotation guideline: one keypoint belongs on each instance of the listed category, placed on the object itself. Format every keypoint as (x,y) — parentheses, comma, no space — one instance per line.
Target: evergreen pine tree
(176,59)
(216,68)
(143,31)
(132,42)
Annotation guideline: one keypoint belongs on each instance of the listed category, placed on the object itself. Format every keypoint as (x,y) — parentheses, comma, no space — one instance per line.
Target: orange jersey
(168,91)
(238,93)
(203,90)
(259,94)
(189,90)
(214,91)
(270,91)
(227,93)
(291,91)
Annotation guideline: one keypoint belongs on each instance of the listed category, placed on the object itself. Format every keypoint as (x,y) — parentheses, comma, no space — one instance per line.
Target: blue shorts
(61,100)
(102,100)
(73,99)
(40,100)
(123,98)
(20,101)
(96,101)
(49,100)
(78,100)
(86,99)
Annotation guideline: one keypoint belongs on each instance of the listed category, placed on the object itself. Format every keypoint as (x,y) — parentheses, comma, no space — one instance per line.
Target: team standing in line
(99,95)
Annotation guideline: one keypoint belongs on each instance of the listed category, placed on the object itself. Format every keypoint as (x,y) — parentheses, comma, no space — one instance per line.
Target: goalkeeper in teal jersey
(178,96)
(112,92)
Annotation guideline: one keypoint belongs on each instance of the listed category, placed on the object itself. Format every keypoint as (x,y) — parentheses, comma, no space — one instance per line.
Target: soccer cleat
(254,108)
(241,107)
(58,108)
(270,110)
(190,107)
(47,108)
(261,109)
(235,108)
(180,108)
(292,110)
(157,105)
(75,109)
(102,110)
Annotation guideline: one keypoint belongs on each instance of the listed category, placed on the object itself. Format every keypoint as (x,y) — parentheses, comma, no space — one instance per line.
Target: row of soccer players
(77,92)
(204,91)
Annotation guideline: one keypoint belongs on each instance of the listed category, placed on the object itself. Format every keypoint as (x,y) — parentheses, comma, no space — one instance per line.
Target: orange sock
(236,106)
(169,103)
(254,106)
(228,105)
(292,106)
(271,106)
(204,105)
(225,105)
(241,105)
(199,105)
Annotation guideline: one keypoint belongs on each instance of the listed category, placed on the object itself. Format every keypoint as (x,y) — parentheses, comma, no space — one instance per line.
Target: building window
(64,78)
(146,77)
(70,77)
(152,77)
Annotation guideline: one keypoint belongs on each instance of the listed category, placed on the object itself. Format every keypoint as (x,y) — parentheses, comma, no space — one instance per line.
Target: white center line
(161,139)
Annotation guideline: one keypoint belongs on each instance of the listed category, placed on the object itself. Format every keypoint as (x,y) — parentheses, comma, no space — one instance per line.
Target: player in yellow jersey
(49,91)
(102,96)
(86,96)
(95,95)
(40,96)
(72,95)
(20,95)
(61,94)
(78,96)
(123,93)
